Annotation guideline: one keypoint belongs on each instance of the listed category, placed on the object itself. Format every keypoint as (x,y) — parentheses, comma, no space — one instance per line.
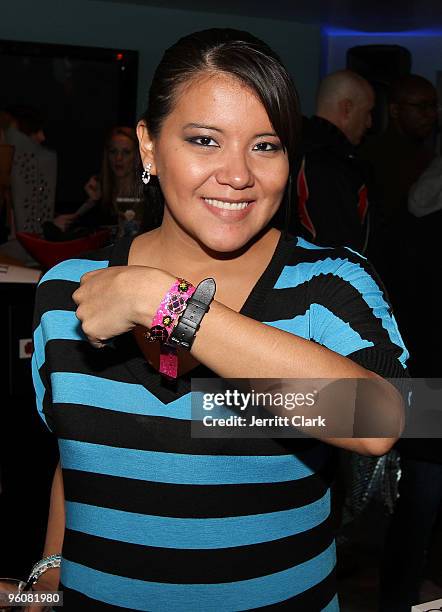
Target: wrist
(49,581)
(150,286)
(184,332)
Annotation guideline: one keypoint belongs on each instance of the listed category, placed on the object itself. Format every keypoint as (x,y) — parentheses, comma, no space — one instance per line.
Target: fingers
(88,275)
(88,298)
(63,221)
(97,344)
(93,340)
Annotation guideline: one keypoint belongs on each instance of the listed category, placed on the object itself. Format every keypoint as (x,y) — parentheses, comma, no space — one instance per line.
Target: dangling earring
(145,177)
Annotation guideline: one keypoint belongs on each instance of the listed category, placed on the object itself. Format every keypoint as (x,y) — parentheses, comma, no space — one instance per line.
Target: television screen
(81,92)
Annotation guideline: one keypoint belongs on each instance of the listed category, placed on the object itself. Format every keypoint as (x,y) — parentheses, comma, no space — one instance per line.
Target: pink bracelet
(172,305)
(166,316)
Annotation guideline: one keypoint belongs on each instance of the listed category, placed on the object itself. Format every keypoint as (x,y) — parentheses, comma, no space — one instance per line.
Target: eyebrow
(215,129)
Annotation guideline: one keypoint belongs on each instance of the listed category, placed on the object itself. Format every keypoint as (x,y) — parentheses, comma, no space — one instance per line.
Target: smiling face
(220,164)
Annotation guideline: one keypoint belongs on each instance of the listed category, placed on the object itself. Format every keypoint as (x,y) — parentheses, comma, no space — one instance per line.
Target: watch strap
(189,322)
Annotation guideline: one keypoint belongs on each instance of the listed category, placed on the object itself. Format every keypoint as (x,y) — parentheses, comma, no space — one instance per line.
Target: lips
(227,209)
(228,204)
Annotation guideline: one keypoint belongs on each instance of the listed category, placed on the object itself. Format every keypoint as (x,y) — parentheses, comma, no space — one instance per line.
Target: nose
(235,170)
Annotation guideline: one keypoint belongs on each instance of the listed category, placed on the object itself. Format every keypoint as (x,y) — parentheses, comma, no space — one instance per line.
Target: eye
(202,141)
(267,146)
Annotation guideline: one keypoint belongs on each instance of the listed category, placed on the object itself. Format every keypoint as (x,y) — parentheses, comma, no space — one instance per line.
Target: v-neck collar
(148,376)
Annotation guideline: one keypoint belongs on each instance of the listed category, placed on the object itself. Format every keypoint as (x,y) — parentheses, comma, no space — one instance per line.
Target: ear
(146,146)
(346,107)
(394,110)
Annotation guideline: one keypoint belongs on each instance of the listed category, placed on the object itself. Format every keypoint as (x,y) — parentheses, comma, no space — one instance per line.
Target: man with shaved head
(331,184)
(346,100)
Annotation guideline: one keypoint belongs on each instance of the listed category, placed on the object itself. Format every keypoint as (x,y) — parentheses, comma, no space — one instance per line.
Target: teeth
(226,205)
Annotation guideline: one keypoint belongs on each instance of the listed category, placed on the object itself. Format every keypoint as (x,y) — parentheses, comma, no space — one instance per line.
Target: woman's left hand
(113,300)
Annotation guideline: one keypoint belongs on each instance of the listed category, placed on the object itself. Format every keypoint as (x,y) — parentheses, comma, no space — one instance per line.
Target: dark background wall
(150,30)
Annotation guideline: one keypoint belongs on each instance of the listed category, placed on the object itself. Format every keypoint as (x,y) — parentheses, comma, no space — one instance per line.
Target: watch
(189,322)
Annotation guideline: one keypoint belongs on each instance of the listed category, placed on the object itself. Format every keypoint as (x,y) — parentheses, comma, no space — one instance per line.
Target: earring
(145,177)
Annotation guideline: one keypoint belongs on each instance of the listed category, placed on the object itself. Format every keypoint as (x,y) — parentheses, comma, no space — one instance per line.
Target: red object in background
(119,56)
(49,253)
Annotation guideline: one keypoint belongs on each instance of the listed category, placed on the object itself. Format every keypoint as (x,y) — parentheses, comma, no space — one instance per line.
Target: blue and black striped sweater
(157,520)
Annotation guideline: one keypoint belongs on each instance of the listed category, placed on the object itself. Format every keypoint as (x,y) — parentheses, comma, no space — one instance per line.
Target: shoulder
(314,260)
(329,274)
(349,310)
(72,270)
(55,288)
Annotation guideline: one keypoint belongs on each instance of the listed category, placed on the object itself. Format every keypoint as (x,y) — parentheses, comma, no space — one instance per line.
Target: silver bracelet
(42,566)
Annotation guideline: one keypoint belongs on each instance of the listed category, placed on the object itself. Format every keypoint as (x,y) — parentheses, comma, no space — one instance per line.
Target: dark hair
(407,85)
(235,53)
(29,119)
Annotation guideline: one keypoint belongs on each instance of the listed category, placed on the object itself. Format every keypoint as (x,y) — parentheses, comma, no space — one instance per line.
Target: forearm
(54,532)
(85,207)
(256,350)
(235,346)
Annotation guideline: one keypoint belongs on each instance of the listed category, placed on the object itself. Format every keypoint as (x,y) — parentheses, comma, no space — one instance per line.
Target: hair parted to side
(230,52)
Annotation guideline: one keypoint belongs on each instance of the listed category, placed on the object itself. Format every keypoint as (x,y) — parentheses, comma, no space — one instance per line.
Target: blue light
(339,32)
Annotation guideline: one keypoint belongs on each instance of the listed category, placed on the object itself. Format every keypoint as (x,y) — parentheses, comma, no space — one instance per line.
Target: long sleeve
(40,367)
(350,313)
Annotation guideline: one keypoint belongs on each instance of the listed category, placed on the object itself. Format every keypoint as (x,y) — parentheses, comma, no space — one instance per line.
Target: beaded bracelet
(164,321)
(42,566)
(172,305)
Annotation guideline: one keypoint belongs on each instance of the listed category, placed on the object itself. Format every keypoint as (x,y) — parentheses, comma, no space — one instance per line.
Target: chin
(223,243)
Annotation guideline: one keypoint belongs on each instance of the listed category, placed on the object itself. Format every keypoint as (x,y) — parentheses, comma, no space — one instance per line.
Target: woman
(156,519)
(117,190)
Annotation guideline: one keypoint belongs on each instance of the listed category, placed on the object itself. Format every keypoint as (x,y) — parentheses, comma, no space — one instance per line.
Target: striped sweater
(157,520)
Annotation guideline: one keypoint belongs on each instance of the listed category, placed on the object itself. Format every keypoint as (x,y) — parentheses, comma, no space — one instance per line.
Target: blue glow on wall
(332,31)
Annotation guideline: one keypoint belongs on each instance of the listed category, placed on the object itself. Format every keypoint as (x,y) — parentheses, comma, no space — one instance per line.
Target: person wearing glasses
(401,153)
(399,156)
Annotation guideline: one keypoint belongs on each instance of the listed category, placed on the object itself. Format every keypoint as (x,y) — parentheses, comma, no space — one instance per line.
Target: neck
(124,185)
(172,247)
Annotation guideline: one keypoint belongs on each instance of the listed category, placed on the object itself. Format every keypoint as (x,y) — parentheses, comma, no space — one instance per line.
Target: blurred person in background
(27,120)
(408,261)
(33,177)
(114,196)
(331,184)
(399,156)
